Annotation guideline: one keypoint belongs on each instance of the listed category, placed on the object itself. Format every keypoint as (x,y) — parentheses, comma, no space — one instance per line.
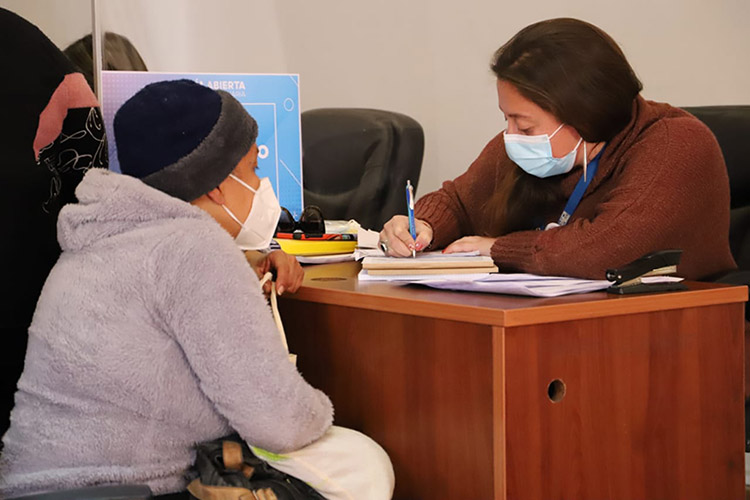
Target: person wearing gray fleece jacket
(152,334)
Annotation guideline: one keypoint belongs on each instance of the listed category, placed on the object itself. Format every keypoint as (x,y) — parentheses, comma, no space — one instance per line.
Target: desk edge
(526,315)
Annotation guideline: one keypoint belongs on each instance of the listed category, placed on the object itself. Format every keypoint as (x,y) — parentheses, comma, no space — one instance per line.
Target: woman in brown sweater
(588,174)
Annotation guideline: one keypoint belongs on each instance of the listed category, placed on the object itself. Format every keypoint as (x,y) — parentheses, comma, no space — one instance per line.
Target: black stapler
(627,279)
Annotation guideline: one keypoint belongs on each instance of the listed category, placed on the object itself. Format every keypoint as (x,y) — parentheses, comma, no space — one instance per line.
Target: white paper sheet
(419,278)
(426,256)
(361,253)
(367,238)
(324,259)
(350,226)
(531,285)
(532,288)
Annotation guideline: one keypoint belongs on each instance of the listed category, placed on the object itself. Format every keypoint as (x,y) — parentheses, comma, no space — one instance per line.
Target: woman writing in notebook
(587,175)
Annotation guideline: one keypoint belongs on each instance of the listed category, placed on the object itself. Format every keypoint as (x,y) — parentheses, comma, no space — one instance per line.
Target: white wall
(425,58)
(63,21)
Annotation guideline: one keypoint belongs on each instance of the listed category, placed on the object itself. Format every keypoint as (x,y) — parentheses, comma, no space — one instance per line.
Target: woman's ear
(216,196)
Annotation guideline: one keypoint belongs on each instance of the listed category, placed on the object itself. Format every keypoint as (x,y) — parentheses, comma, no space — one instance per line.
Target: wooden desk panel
(652,407)
(422,388)
(455,387)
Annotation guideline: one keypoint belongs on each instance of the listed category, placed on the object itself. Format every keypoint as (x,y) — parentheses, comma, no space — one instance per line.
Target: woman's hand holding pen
(397,241)
(482,244)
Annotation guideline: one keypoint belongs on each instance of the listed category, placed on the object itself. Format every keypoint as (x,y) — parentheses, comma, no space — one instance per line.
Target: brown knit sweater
(661,183)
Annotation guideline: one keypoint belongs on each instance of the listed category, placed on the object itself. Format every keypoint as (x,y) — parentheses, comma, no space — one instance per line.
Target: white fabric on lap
(342,465)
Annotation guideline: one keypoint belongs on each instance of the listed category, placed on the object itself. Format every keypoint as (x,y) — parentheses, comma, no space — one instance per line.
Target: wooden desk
(480,396)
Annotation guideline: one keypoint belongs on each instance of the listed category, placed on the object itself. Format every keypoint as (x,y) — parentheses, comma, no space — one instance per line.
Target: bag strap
(203,492)
(231,455)
(276,315)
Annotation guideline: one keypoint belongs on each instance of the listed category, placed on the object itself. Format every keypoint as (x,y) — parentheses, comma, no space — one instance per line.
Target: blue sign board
(273,100)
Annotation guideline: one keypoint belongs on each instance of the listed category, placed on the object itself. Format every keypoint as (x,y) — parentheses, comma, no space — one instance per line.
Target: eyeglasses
(310,222)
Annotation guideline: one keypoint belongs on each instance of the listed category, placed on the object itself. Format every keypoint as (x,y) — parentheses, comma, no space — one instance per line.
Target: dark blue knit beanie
(181,137)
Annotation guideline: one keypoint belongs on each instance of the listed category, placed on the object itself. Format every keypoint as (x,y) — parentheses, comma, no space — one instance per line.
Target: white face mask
(260,225)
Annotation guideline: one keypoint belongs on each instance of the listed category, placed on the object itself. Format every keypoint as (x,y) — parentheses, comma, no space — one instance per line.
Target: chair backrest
(731,126)
(356,162)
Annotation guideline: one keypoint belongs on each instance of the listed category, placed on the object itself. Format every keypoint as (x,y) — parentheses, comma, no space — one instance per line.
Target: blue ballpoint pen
(410,205)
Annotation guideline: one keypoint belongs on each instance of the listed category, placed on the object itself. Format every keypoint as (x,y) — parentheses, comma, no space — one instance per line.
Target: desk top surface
(337,284)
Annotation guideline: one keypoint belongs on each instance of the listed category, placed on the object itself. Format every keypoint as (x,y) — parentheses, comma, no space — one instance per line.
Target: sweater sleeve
(458,208)
(210,302)
(672,182)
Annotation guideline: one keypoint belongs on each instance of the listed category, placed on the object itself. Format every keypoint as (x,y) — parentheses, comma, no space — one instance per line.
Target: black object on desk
(628,279)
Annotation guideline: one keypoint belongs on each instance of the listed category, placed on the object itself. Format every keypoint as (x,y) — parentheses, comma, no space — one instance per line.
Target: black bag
(226,469)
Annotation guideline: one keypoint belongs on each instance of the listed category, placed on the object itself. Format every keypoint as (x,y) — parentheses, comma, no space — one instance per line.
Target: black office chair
(134,492)
(731,126)
(356,162)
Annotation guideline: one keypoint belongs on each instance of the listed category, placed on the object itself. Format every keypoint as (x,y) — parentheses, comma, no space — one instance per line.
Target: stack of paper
(522,284)
(474,273)
(428,265)
(529,284)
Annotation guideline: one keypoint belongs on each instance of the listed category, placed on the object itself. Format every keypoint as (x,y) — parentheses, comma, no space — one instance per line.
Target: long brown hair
(578,73)
(118,53)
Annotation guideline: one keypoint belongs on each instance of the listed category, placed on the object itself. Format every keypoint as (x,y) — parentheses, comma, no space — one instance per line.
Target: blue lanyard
(577,195)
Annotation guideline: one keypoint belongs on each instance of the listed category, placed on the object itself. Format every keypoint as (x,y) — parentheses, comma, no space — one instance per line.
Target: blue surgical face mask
(533,153)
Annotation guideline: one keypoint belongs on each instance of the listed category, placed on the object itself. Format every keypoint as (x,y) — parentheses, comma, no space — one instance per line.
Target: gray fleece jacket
(151,334)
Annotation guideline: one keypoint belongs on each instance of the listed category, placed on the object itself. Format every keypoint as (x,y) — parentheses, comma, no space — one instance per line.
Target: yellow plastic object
(302,247)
